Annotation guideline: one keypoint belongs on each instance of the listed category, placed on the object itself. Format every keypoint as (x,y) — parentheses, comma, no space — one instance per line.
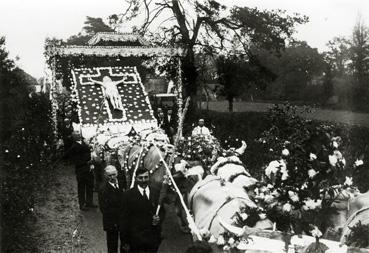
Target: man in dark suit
(80,155)
(110,200)
(140,226)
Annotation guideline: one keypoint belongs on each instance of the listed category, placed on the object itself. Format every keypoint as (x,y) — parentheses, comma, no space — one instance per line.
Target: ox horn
(231,228)
(242,149)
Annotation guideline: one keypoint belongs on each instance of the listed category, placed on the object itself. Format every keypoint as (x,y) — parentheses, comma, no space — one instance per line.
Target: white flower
(6,151)
(212,239)
(284,171)
(231,241)
(242,245)
(312,173)
(335,144)
(270,186)
(226,248)
(18,156)
(310,204)
(293,196)
(312,157)
(204,232)
(358,162)
(262,216)
(269,199)
(336,157)
(273,167)
(221,240)
(285,152)
(332,160)
(287,207)
(348,181)
(304,186)
(74,233)
(275,194)
(244,216)
(316,232)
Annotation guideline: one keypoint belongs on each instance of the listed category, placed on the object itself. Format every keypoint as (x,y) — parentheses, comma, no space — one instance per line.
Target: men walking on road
(81,157)
(110,199)
(140,226)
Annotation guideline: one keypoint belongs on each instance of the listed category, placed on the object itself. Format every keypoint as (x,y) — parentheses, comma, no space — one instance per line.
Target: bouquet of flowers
(202,148)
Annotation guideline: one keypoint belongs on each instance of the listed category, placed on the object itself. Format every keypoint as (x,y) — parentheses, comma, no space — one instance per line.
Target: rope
(190,220)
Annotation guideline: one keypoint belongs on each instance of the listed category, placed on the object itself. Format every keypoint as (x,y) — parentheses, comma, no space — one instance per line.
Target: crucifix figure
(111,91)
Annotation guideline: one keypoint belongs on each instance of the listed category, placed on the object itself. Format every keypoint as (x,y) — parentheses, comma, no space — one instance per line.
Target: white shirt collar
(142,190)
(114,185)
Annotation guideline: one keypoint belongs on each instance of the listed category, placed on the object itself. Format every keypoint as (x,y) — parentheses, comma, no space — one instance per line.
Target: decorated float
(101,91)
(80,71)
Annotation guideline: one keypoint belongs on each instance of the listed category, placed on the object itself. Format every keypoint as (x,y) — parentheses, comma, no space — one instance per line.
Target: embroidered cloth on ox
(93,95)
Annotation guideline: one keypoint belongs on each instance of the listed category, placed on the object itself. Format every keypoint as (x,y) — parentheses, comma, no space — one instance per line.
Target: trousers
(85,185)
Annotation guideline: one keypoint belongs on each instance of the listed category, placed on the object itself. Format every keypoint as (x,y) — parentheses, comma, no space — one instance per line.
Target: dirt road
(346,117)
(62,227)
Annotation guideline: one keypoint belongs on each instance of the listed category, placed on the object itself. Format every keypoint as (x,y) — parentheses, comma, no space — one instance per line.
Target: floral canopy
(119,56)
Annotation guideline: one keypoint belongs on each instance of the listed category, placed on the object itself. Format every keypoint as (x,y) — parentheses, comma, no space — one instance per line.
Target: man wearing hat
(201,129)
(110,198)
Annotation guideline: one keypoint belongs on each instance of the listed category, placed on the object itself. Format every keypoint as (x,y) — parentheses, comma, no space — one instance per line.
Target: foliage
(338,55)
(306,170)
(205,26)
(312,149)
(91,26)
(27,155)
(26,150)
(360,63)
(6,64)
(297,68)
(359,236)
(237,74)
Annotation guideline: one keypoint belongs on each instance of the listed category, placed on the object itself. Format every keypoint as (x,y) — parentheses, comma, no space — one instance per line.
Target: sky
(26,23)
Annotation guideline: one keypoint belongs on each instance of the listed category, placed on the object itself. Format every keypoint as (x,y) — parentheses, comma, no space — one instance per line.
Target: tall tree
(91,26)
(338,55)
(360,52)
(6,64)
(297,68)
(205,26)
(360,64)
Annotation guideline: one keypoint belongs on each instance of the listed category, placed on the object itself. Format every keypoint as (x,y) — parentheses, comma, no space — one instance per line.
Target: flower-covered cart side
(306,180)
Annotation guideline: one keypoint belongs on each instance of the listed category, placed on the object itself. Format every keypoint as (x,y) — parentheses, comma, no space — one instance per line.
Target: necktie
(200,130)
(145,194)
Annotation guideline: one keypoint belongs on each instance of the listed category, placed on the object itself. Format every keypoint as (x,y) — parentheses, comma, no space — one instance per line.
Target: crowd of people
(129,216)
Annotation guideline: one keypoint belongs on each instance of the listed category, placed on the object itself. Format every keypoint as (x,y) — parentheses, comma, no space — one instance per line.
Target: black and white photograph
(184,126)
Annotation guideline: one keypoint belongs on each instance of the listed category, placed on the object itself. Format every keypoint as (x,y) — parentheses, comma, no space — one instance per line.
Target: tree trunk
(189,79)
(230,104)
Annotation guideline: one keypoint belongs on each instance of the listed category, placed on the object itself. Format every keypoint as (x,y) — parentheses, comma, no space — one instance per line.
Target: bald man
(201,129)
(110,197)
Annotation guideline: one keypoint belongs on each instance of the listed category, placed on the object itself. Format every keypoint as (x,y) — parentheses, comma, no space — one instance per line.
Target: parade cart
(127,60)
(101,90)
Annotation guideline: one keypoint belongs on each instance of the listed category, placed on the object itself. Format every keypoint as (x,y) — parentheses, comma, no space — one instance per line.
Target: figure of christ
(111,91)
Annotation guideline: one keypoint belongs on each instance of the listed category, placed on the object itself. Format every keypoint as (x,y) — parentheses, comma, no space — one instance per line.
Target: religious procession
(174,139)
